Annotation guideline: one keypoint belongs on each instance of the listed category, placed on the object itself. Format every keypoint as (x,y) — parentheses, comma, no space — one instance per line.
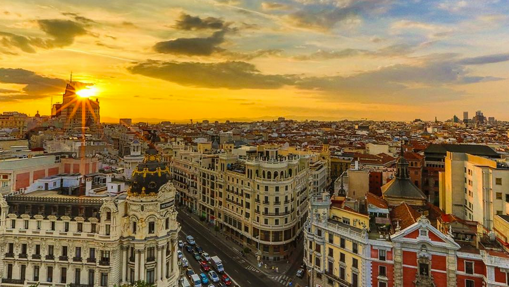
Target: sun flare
(87,92)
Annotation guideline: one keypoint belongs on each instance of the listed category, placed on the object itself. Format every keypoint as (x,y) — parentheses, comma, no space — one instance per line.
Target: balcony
(342,282)
(50,257)
(81,285)
(63,258)
(9,254)
(23,255)
(77,259)
(104,262)
(36,256)
(91,260)
(13,281)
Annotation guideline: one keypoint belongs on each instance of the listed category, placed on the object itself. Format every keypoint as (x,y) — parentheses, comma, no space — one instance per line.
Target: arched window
(269,175)
(263,174)
(290,172)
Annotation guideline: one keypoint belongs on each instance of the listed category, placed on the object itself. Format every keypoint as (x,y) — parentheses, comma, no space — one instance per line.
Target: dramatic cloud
(389,51)
(489,59)
(192,46)
(62,31)
(188,22)
(79,18)
(229,75)
(9,40)
(35,86)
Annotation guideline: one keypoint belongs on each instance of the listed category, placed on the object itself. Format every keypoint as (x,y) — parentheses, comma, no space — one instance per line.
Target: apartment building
(474,187)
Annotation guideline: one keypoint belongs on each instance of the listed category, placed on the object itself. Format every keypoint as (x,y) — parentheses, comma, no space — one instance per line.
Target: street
(241,270)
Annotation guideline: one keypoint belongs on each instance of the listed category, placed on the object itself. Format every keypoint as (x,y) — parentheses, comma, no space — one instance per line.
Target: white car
(190,240)
(184,262)
(213,276)
(179,254)
(206,256)
(181,243)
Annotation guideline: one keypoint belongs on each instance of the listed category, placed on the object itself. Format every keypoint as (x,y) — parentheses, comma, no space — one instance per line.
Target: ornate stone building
(55,238)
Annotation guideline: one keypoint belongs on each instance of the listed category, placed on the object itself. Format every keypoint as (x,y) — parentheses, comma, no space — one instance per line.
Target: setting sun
(87,92)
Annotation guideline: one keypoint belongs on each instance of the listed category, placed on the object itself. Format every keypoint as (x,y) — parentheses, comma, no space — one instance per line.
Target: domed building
(93,240)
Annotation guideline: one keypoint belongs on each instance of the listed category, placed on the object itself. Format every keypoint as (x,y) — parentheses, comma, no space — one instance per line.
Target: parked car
(204,278)
(213,276)
(185,262)
(189,273)
(205,266)
(181,243)
(226,279)
(300,273)
(221,284)
(179,254)
(206,256)
(189,248)
(190,240)
(197,256)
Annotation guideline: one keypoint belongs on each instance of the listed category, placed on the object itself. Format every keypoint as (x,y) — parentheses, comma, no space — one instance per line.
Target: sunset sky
(177,60)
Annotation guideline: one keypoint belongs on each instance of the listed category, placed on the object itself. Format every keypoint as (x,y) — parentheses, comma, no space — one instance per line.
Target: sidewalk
(270,268)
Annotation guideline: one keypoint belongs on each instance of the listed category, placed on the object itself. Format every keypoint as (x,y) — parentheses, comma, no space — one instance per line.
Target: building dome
(150,175)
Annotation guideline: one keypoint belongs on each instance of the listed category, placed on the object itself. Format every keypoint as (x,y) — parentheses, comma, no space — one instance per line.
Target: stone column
(164,261)
(137,256)
(142,265)
(398,265)
(124,263)
(158,269)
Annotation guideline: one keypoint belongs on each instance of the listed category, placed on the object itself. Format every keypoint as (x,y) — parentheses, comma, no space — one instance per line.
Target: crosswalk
(253,269)
(283,279)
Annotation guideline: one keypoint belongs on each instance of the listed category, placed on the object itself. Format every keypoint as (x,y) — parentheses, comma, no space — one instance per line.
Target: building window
(13,223)
(26,224)
(36,273)
(77,276)
(342,243)
(53,226)
(382,284)
(424,269)
(93,228)
(63,275)
(91,277)
(92,253)
(151,227)
(317,261)
(331,252)
(469,267)
(355,263)
(498,181)
(150,276)
(342,273)
(151,251)
(382,271)
(355,248)
(49,274)
(331,238)
(499,195)
(134,228)
(342,257)
(104,279)
(355,280)
(469,283)
(382,254)
(38,225)
(80,227)
(66,226)
(167,223)
(9,271)
(78,252)
(423,232)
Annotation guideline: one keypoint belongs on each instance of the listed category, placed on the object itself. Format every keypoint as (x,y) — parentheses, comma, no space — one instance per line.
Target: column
(164,261)
(137,255)
(142,265)
(124,264)
(158,270)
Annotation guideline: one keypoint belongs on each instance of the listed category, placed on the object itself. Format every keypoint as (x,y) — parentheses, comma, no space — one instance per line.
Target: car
(185,262)
(190,240)
(181,243)
(189,248)
(197,256)
(204,266)
(300,273)
(226,279)
(213,276)
(206,256)
(204,278)
(211,285)
(221,284)
(198,249)
(189,273)
(179,254)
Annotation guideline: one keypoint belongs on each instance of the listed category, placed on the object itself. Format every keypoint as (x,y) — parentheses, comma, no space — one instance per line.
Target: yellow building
(336,241)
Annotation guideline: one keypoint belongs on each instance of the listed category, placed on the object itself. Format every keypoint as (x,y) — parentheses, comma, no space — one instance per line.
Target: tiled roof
(405,214)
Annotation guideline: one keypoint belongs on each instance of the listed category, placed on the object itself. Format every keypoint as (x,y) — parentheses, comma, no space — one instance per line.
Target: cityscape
(301,143)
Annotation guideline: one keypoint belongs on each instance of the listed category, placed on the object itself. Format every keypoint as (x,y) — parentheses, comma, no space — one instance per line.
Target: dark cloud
(188,22)
(35,86)
(229,75)
(23,43)
(192,46)
(128,24)
(482,60)
(63,32)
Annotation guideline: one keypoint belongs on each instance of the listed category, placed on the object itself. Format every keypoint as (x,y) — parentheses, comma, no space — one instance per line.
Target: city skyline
(251,60)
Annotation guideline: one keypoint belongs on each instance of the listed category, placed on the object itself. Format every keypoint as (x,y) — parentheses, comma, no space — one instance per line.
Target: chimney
(356,165)
(88,185)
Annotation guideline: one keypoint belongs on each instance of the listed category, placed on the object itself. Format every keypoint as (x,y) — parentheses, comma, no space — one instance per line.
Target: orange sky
(247,60)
